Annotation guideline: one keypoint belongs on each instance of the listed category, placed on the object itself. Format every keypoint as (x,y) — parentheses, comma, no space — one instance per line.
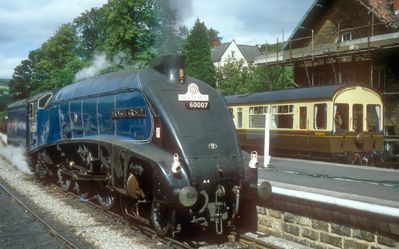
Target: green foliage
(212,33)
(130,31)
(129,24)
(5,100)
(271,48)
(5,81)
(20,85)
(236,77)
(199,63)
(91,29)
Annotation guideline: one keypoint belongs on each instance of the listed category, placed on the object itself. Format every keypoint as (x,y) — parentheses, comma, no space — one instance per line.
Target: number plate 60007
(198,105)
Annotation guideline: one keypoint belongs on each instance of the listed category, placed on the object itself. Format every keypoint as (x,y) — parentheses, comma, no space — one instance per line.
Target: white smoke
(16,155)
(99,63)
(184,10)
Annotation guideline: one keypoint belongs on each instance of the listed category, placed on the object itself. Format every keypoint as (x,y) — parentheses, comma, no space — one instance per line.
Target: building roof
(383,10)
(249,52)
(218,51)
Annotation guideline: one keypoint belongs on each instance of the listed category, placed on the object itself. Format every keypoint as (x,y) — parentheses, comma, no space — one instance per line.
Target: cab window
(32,110)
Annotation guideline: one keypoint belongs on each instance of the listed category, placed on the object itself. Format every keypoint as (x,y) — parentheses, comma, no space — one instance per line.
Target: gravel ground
(18,229)
(88,230)
(80,227)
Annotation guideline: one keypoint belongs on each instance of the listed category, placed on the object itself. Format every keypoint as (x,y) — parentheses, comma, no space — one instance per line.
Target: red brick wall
(396,4)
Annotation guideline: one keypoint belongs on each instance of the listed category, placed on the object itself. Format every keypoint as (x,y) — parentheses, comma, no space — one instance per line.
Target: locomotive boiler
(160,144)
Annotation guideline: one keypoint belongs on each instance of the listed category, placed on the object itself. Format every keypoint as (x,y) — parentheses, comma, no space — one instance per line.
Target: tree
(199,63)
(181,37)
(129,29)
(91,29)
(20,85)
(212,33)
(235,77)
(56,61)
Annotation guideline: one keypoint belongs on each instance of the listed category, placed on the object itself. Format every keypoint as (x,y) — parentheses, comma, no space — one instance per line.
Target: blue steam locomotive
(160,144)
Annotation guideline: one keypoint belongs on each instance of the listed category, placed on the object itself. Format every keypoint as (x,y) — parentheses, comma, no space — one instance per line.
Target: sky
(25,25)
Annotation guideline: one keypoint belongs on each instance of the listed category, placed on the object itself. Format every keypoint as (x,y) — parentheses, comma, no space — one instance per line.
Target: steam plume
(99,63)
(16,155)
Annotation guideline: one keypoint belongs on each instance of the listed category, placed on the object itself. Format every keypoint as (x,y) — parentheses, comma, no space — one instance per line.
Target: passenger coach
(333,122)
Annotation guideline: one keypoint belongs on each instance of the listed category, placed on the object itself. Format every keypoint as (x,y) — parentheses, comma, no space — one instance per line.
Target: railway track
(118,220)
(114,219)
(51,230)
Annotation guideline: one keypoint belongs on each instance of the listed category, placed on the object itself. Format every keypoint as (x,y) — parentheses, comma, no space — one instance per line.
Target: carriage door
(303,137)
(341,127)
(31,129)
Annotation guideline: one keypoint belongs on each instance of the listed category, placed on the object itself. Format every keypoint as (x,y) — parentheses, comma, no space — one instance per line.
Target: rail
(67,242)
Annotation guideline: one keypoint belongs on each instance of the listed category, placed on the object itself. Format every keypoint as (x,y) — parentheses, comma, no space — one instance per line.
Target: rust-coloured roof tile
(384,10)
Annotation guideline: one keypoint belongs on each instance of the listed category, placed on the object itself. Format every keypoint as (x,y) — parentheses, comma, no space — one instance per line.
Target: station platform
(364,188)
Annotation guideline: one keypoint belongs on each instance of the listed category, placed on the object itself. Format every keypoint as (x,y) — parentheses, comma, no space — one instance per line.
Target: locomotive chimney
(172,66)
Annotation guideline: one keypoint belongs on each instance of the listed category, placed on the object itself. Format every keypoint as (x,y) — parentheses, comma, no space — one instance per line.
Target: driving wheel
(106,197)
(163,218)
(64,180)
(83,189)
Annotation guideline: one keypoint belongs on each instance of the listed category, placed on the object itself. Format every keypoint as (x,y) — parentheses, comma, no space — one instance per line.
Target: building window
(345,77)
(232,54)
(319,79)
(346,36)
(377,79)
(283,117)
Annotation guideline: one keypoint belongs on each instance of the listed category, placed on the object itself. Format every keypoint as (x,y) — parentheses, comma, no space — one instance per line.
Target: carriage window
(283,117)
(357,117)
(373,118)
(239,117)
(341,117)
(320,116)
(302,117)
(257,117)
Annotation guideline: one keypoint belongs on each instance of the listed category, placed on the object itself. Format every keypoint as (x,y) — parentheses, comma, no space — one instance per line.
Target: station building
(346,41)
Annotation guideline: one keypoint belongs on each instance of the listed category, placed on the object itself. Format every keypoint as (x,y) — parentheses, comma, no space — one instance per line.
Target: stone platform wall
(324,226)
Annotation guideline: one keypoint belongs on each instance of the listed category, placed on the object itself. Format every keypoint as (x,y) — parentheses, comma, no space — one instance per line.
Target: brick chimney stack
(396,6)
(215,42)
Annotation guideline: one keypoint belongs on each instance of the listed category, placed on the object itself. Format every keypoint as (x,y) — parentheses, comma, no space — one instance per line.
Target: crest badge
(193,94)
(212,146)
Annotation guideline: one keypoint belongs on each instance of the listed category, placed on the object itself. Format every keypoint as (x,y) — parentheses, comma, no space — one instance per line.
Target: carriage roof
(317,93)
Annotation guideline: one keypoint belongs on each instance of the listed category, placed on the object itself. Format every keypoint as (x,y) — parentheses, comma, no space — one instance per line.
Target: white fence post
(267,140)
